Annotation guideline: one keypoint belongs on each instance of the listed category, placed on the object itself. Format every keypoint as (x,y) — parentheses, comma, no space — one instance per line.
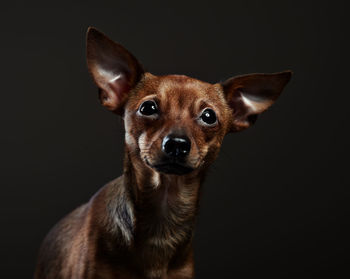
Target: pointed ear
(250,95)
(114,70)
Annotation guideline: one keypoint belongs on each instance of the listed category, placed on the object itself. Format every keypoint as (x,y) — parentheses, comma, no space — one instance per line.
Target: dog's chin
(170,168)
(173,168)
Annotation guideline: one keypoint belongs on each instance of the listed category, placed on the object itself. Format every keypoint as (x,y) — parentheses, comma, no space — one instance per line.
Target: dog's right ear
(115,70)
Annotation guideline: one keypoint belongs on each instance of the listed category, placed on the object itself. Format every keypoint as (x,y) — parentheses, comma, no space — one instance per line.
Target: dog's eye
(208,117)
(148,108)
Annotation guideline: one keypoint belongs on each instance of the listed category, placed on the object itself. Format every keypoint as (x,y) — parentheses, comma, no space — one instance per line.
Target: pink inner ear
(116,92)
(250,95)
(246,108)
(240,110)
(253,105)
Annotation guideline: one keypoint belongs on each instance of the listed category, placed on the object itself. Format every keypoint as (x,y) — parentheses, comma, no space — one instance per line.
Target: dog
(141,224)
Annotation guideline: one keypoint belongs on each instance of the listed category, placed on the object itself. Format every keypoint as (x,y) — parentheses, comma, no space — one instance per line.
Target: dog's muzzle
(175,151)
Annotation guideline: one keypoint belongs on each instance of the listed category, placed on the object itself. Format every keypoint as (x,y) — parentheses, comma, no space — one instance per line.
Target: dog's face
(175,124)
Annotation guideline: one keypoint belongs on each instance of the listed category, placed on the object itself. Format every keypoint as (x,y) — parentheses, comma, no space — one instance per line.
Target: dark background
(276,201)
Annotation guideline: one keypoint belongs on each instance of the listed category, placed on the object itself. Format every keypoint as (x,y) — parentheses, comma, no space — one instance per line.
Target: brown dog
(141,224)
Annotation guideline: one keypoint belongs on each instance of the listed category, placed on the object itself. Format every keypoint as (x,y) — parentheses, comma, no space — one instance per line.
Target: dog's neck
(160,196)
(161,202)
(164,209)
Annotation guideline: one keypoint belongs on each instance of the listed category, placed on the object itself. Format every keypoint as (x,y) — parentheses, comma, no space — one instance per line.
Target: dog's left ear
(115,70)
(250,95)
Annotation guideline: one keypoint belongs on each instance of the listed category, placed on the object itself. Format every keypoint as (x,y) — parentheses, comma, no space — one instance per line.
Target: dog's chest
(164,226)
(163,241)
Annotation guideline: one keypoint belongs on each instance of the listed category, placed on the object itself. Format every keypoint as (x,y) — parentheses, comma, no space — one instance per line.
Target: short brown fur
(141,224)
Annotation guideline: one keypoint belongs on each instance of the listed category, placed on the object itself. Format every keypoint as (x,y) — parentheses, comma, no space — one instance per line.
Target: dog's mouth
(171,167)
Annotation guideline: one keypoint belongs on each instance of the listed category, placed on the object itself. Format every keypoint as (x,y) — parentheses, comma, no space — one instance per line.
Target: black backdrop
(275,203)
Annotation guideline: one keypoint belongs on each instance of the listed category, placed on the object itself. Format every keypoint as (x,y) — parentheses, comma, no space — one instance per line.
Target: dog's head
(175,124)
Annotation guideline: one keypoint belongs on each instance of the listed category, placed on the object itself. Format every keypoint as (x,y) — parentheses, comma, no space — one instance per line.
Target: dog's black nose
(176,146)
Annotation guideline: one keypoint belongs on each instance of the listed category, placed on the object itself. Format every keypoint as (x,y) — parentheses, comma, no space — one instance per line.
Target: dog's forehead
(179,86)
(172,88)
(169,84)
